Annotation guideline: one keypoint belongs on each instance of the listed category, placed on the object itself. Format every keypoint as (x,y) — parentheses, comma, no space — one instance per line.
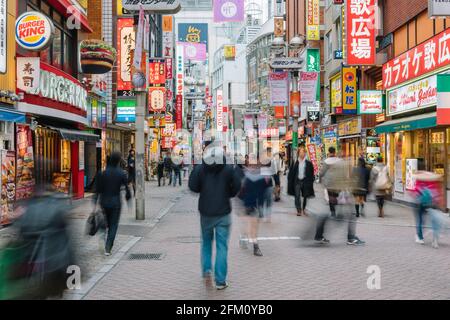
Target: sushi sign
(34,31)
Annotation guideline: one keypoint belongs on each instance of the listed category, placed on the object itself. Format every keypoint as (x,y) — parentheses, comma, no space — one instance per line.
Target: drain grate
(146,256)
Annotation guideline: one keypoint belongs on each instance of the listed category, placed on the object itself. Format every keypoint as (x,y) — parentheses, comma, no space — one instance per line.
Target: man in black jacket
(216,182)
(301,181)
(109,185)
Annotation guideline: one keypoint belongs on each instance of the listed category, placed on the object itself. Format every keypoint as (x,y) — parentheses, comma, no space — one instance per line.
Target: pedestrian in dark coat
(301,181)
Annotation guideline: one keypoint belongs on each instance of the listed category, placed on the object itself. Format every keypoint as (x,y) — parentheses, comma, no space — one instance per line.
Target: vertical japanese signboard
(168,39)
(336,94)
(3,35)
(219,111)
(157,72)
(25,163)
(8,183)
(179,111)
(125,50)
(313,20)
(349,91)
(360,30)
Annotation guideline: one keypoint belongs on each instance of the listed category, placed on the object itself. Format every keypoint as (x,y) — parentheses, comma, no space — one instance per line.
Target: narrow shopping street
(290,268)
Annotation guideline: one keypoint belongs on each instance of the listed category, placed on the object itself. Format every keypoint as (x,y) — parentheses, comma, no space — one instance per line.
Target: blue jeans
(420,213)
(221,227)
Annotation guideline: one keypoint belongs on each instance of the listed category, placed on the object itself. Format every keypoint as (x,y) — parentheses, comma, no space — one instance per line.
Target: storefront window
(68,55)
(437,152)
(65,156)
(57,50)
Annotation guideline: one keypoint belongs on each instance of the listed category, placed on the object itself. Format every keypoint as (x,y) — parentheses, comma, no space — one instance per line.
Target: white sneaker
(435,244)
(419,241)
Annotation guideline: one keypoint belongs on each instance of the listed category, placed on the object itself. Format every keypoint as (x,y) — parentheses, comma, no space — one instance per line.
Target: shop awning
(74,135)
(422,121)
(12,116)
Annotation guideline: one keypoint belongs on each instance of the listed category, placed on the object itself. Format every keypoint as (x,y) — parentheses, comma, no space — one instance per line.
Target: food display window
(65,156)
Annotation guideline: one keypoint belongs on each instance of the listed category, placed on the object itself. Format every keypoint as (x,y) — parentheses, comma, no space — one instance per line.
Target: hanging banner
(180,70)
(279,112)
(139,41)
(25,163)
(225,118)
(28,74)
(228,11)
(157,72)
(125,48)
(313,157)
(262,121)
(443,99)
(294,104)
(424,58)
(278,26)
(370,102)
(313,20)
(8,183)
(279,88)
(308,86)
(219,111)
(349,90)
(179,111)
(157,99)
(313,64)
(3,35)
(167,35)
(248,122)
(169,68)
(147,33)
(360,30)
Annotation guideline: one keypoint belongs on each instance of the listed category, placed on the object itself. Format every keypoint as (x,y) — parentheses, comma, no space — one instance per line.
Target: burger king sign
(34,31)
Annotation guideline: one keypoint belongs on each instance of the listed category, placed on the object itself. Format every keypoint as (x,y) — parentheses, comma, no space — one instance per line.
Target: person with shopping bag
(381,184)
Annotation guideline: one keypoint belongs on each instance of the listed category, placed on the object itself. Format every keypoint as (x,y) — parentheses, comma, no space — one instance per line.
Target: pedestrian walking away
(108,189)
(168,165)
(131,166)
(160,171)
(216,182)
(381,184)
(361,176)
(335,177)
(301,181)
(254,188)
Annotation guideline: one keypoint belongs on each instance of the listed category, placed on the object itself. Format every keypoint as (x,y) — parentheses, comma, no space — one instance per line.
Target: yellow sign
(158,122)
(278,26)
(229,52)
(336,92)
(313,20)
(349,127)
(119,8)
(167,24)
(349,90)
(84,3)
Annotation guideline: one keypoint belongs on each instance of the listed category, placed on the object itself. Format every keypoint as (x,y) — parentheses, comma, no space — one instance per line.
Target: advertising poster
(411,169)
(336,94)
(193,32)
(157,99)
(370,102)
(398,183)
(61,182)
(313,157)
(279,88)
(8,176)
(194,51)
(308,86)
(25,163)
(125,50)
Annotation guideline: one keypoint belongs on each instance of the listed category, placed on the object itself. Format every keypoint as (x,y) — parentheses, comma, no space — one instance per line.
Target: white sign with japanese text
(28,74)
(417,95)
(219,111)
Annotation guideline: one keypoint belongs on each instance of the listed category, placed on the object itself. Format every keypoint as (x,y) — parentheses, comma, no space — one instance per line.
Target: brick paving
(289,269)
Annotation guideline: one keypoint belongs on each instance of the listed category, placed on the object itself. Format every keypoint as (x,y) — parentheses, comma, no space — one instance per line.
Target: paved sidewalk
(290,268)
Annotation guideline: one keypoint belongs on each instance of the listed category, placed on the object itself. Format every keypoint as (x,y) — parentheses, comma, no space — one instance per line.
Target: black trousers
(351,232)
(299,193)
(112,220)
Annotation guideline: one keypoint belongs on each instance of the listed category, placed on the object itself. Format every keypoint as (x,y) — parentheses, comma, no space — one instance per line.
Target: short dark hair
(115,158)
(332,150)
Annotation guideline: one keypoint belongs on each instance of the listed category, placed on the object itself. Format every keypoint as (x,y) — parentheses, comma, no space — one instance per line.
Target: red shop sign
(426,57)
(179,111)
(157,74)
(361,32)
(169,68)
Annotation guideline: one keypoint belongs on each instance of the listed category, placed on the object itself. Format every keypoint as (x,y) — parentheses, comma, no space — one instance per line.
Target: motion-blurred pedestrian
(361,176)
(108,189)
(160,171)
(381,184)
